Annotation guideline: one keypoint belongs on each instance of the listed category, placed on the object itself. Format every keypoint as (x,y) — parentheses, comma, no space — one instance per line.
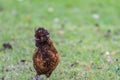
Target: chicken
(45,57)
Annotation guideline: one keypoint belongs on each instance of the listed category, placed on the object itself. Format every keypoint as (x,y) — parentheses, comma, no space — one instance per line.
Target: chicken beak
(48,36)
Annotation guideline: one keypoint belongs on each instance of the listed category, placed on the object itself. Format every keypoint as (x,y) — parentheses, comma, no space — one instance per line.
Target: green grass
(83,46)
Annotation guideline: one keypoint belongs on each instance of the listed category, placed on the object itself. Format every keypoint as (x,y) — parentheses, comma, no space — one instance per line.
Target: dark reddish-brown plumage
(46,57)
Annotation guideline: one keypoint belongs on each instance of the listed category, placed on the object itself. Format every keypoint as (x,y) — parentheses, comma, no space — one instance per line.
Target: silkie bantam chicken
(45,57)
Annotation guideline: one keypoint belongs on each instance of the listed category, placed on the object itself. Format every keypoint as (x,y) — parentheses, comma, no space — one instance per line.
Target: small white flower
(107,53)
(96,16)
(109,59)
(56,20)
(50,9)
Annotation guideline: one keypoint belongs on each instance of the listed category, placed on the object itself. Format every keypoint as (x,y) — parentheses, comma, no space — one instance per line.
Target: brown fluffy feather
(46,57)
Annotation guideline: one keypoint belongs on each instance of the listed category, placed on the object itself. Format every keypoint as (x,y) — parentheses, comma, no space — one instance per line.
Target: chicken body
(46,57)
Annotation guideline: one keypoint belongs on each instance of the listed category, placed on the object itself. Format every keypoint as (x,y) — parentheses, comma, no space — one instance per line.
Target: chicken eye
(40,31)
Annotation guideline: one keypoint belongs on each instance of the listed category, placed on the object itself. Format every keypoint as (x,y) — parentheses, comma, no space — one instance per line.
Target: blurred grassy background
(86,33)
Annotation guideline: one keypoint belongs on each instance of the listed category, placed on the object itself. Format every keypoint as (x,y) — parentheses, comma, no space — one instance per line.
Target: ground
(86,34)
